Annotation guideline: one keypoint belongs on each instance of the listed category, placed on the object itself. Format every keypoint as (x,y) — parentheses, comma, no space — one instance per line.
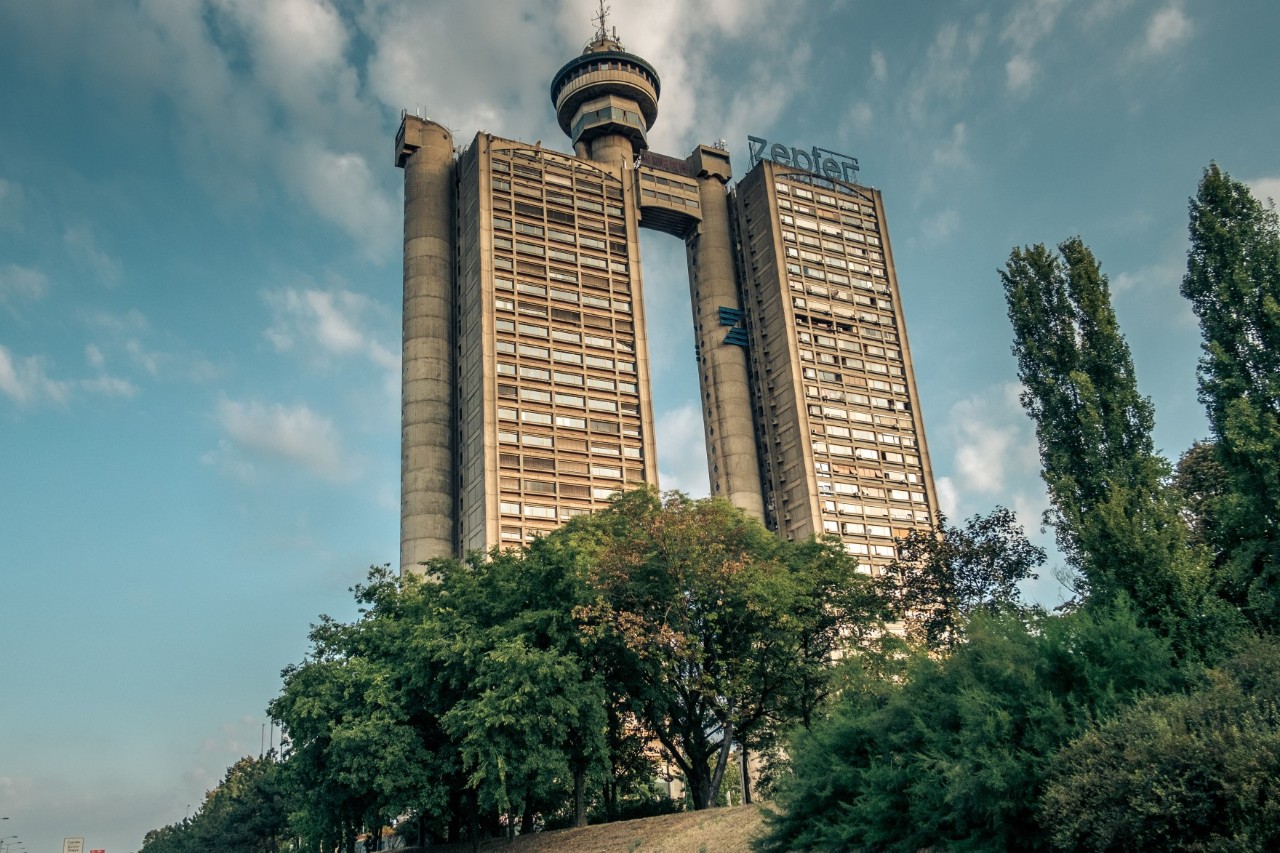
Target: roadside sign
(73,845)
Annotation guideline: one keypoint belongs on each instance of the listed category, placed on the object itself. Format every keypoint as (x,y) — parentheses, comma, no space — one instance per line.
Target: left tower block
(424,150)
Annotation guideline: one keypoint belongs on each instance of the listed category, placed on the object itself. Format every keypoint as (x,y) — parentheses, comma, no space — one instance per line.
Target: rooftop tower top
(606,99)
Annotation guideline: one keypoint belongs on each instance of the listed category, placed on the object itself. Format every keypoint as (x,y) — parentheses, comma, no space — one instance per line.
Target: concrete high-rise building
(526,392)
(842,440)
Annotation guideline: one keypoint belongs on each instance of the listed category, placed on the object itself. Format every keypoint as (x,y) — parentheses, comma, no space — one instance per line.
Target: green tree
(1233,283)
(1197,771)
(247,812)
(836,610)
(944,574)
(702,611)
(364,748)
(1115,520)
(953,753)
(530,714)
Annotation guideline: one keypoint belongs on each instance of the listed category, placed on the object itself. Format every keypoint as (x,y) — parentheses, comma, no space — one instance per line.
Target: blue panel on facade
(730,316)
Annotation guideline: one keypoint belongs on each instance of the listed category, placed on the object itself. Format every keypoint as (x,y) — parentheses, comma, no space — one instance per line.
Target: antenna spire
(600,19)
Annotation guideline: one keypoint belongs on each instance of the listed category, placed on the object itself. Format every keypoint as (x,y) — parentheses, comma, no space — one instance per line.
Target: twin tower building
(526,385)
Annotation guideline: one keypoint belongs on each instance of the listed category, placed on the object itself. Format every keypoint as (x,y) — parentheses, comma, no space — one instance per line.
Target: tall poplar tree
(1114,519)
(1233,282)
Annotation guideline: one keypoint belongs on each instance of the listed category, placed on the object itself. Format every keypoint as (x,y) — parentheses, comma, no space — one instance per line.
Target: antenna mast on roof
(602,31)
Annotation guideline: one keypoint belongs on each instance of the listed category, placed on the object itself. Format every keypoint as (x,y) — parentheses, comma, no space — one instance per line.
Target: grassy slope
(724,830)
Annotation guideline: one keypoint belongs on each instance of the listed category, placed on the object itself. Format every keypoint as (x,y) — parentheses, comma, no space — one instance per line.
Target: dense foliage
(955,751)
(1233,282)
(1115,519)
(1196,771)
(943,575)
(245,813)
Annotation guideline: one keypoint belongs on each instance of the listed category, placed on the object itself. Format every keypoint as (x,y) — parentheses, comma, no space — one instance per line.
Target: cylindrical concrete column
(732,458)
(427,523)
(613,149)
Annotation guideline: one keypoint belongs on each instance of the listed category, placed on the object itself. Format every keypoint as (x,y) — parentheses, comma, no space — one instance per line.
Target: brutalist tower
(526,390)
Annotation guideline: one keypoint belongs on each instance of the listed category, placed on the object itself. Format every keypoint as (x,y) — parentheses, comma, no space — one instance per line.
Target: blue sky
(199,296)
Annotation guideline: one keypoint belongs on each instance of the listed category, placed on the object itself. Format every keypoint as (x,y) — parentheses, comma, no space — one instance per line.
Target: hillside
(724,830)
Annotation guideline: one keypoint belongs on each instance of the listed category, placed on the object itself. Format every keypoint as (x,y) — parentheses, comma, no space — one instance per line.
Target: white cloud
(682,451)
(94,358)
(994,447)
(148,360)
(940,227)
(276,433)
(1155,289)
(1029,24)
(879,66)
(26,381)
(11,204)
(297,47)
(995,459)
(1167,29)
(1265,189)
(943,77)
(108,386)
(21,284)
(84,247)
(948,499)
(949,155)
(341,188)
(324,324)
(1019,71)
(132,321)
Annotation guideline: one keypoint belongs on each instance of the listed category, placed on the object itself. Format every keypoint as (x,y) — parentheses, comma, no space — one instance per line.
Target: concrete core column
(732,456)
(427,453)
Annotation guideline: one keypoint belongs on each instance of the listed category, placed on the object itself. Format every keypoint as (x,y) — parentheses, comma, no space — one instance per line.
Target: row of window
(896,513)
(837,395)
(844,204)
(568,420)
(565,468)
(561,398)
(850,363)
(584,298)
(849,345)
(861,416)
(866,453)
(833,377)
(830,488)
(870,436)
(543,165)
(844,325)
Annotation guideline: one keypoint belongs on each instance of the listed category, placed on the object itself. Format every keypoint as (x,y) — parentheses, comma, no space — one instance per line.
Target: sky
(200,293)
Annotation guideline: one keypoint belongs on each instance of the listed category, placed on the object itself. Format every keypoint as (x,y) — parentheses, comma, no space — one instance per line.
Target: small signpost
(73,845)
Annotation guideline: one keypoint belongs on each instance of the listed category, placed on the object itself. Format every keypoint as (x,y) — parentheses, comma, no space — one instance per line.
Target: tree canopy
(1233,283)
(1114,517)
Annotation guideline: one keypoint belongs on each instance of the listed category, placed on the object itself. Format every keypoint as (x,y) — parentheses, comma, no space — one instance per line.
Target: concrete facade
(526,385)
(842,439)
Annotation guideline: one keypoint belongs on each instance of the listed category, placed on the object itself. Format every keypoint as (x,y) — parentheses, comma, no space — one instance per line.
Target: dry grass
(724,830)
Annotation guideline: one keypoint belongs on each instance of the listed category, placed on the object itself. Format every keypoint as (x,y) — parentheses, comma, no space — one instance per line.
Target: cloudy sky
(199,296)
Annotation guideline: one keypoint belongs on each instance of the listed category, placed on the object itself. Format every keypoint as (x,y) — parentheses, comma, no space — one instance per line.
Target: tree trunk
(746,777)
(579,797)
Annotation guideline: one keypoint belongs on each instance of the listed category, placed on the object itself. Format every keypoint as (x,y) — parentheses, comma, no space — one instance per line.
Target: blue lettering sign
(820,161)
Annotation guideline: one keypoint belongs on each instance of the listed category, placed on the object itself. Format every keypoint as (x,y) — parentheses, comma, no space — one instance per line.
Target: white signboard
(73,845)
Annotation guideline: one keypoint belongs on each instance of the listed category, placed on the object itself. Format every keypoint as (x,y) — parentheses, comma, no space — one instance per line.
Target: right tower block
(840,435)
